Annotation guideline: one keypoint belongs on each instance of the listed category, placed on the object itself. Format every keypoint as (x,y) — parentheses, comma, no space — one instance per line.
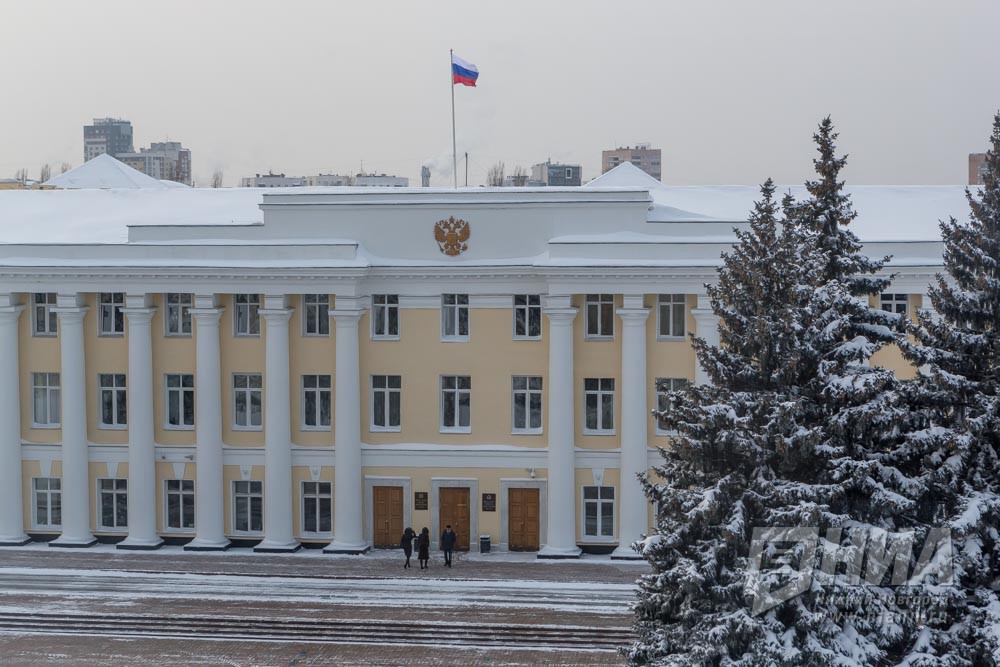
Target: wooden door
(455,512)
(387,515)
(523,520)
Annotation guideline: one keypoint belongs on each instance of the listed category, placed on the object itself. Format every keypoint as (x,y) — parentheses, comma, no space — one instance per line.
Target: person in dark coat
(448,539)
(407,543)
(424,548)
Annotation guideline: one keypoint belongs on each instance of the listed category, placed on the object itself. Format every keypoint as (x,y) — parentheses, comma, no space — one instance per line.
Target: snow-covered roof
(105,172)
(173,184)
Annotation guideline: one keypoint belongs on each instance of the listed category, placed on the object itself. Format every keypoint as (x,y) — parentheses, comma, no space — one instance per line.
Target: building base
(73,545)
(266,547)
(195,545)
(556,553)
(625,553)
(15,542)
(139,546)
(349,549)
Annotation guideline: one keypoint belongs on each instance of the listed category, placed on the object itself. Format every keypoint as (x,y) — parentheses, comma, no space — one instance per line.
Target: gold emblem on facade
(452,236)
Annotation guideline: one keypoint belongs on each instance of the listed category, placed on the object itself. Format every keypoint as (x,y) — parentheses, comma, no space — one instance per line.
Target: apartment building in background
(641,155)
(107,135)
(554,174)
(164,161)
(977,167)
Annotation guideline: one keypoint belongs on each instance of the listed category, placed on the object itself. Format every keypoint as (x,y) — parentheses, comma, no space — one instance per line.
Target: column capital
(633,316)
(206,315)
(139,316)
(70,314)
(346,317)
(10,313)
(561,315)
(276,316)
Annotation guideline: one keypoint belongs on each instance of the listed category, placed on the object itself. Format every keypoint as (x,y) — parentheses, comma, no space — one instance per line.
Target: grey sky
(731,91)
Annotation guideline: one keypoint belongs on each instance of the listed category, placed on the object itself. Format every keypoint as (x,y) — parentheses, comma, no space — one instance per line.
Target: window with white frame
(385,316)
(248,507)
(663,388)
(114,408)
(316,314)
(527,316)
(600,315)
(180,503)
(527,404)
(386,402)
(317,507)
(44,321)
(48,502)
(180,400)
(177,316)
(896,303)
(455,316)
(670,310)
(246,314)
(247,401)
(456,403)
(316,402)
(45,400)
(599,511)
(113,498)
(112,320)
(599,405)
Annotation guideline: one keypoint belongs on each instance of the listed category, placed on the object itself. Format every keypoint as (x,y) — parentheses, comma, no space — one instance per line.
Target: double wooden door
(455,513)
(387,515)
(522,520)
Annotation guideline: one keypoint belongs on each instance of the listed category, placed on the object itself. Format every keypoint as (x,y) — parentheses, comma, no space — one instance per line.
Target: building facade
(164,161)
(107,135)
(977,167)
(642,156)
(554,174)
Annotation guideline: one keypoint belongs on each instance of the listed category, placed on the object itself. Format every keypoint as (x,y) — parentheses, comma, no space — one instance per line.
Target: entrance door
(522,520)
(455,512)
(387,515)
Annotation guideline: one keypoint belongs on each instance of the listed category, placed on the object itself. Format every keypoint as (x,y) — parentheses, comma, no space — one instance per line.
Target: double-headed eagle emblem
(452,236)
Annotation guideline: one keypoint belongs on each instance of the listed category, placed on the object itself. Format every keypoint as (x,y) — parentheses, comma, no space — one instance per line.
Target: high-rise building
(164,160)
(641,155)
(977,166)
(272,180)
(553,174)
(107,135)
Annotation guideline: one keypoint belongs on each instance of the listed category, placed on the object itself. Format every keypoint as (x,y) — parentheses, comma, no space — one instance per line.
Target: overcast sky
(730,90)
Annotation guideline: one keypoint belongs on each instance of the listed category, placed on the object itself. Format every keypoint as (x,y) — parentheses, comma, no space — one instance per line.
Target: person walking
(424,548)
(448,539)
(407,543)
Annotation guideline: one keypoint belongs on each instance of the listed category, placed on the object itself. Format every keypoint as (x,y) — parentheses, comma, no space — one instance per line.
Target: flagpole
(454,149)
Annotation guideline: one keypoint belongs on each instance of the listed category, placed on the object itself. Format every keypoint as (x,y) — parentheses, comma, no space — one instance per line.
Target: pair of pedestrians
(448,539)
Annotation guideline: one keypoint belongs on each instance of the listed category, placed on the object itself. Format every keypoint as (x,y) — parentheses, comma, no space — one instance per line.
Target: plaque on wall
(420,500)
(489,502)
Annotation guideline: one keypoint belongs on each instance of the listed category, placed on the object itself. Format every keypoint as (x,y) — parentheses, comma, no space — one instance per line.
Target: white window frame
(118,394)
(382,306)
(598,502)
(250,495)
(118,492)
(676,384)
(569,172)
(181,389)
(47,493)
(320,497)
(42,311)
(665,312)
(251,304)
(181,303)
(319,304)
(594,306)
(248,392)
(179,493)
(320,391)
(388,391)
(460,303)
(600,393)
(892,301)
(532,309)
(49,389)
(113,303)
(457,392)
(529,392)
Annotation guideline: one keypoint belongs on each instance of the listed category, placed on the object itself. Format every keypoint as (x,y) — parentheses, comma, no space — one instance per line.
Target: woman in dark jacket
(424,548)
(407,543)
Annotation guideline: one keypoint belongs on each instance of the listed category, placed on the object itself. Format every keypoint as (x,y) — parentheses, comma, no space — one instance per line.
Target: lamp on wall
(531,471)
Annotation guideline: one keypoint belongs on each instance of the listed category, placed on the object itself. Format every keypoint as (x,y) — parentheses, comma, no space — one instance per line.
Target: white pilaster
(208,513)
(75,458)
(11,506)
(707,328)
(348,480)
(278,533)
(633,513)
(141,447)
(561,540)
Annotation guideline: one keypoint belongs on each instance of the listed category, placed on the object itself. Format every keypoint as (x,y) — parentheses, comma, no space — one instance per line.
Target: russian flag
(463,72)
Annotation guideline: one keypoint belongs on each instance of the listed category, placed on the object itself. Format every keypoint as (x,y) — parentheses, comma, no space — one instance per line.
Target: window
(316,402)
(569,172)
(386,409)
(527,402)
(180,401)
(670,312)
(316,314)
(599,511)
(178,315)
(599,405)
(385,316)
(248,507)
(48,502)
(600,315)
(180,503)
(456,403)
(44,321)
(45,400)
(663,387)
(112,320)
(114,410)
(247,411)
(527,316)
(317,507)
(455,316)
(114,502)
(895,303)
(246,314)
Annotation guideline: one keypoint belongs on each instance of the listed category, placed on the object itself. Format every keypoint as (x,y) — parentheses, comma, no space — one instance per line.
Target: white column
(75,457)
(633,512)
(561,480)
(208,499)
(706,327)
(141,446)
(11,505)
(348,476)
(278,532)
